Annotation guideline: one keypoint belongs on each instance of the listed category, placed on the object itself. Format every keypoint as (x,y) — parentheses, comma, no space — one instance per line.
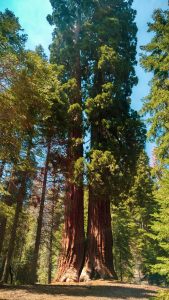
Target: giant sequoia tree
(117,134)
(66,50)
(96,43)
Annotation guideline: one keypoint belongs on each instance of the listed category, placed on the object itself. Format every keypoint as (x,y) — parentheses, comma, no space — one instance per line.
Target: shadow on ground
(116,291)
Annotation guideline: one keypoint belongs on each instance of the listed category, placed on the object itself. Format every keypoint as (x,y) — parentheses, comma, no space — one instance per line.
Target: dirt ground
(94,290)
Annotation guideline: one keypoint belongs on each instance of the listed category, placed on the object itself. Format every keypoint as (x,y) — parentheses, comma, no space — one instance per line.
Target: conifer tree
(68,18)
(132,219)
(160,228)
(155,59)
(115,128)
(12,41)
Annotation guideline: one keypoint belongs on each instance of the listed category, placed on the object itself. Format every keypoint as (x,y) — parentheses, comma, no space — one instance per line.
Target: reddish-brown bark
(73,241)
(98,257)
(72,255)
(71,258)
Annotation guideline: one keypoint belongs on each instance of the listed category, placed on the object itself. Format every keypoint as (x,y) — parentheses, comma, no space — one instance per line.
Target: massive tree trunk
(11,246)
(40,219)
(98,256)
(72,255)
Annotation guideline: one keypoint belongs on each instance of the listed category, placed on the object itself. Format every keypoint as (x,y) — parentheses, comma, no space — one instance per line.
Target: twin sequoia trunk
(72,256)
(71,259)
(99,257)
(73,252)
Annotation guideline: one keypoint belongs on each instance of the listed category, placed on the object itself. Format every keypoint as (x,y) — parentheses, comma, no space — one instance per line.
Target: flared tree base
(70,275)
(96,271)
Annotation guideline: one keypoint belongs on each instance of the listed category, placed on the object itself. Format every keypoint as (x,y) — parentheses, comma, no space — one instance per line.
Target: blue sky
(32,16)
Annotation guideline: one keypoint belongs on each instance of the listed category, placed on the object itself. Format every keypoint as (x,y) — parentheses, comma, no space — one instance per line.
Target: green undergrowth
(162,295)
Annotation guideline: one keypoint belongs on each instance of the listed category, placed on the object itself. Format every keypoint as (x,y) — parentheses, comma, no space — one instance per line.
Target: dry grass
(93,290)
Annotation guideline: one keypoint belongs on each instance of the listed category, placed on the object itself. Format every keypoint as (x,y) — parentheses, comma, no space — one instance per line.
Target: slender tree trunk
(121,271)
(50,254)
(3,221)
(98,257)
(40,219)
(2,165)
(8,200)
(51,238)
(19,204)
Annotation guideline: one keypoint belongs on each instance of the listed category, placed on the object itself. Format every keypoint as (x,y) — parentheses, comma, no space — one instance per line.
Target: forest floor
(93,290)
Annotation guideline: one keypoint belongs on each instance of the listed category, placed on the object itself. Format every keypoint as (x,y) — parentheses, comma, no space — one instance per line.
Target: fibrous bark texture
(98,256)
(72,255)
(73,241)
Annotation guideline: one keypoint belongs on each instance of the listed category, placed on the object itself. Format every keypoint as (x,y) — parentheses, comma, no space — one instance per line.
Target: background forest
(78,197)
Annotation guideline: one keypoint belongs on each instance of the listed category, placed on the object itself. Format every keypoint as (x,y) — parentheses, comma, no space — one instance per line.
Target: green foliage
(41,102)
(6,210)
(155,59)
(79,170)
(101,171)
(108,57)
(33,99)
(142,205)
(160,227)
(33,110)
(140,196)
(11,37)
(11,48)
(132,221)
(122,235)
(162,295)
(86,202)
(3,191)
